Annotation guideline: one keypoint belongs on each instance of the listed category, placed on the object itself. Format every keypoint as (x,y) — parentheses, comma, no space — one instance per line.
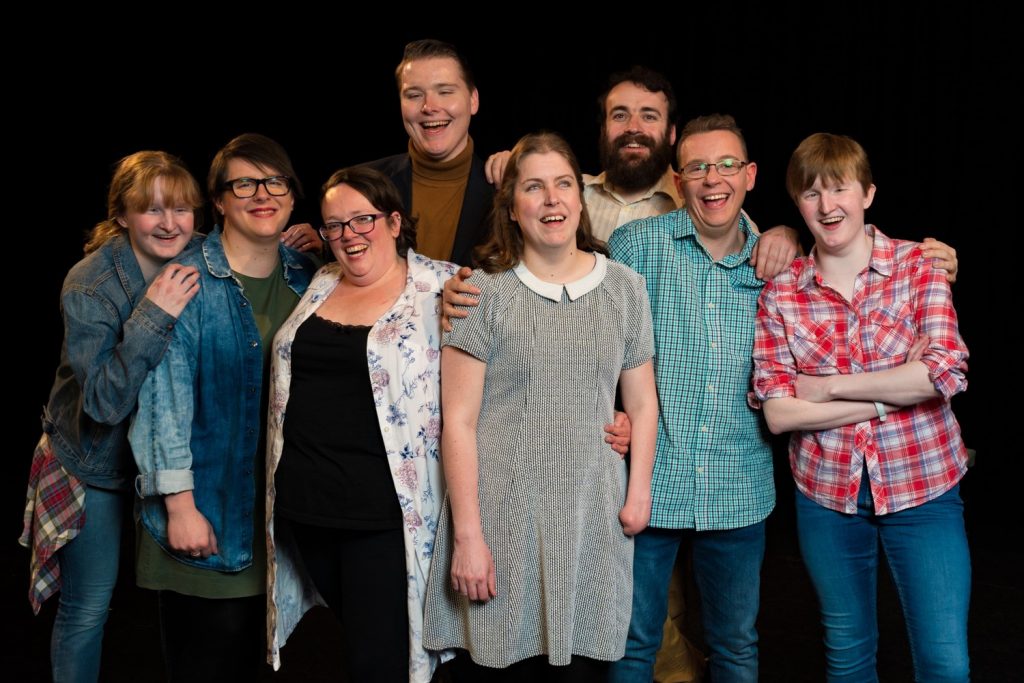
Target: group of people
(281,425)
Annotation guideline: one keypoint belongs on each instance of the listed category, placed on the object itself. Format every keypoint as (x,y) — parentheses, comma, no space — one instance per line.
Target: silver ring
(195,553)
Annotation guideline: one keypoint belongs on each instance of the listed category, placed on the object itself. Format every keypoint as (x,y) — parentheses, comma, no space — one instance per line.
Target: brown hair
(829,157)
(382,193)
(708,124)
(504,249)
(640,76)
(258,150)
(429,48)
(132,189)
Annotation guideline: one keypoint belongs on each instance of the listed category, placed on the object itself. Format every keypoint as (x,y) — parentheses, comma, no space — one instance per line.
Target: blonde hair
(132,188)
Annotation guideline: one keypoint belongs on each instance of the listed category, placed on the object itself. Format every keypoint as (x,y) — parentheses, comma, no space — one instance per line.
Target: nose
(428,103)
(261,192)
(633,125)
(550,196)
(718,177)
(826,203)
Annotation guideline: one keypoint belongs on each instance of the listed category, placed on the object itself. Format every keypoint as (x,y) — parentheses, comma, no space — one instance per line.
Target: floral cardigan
(404,359)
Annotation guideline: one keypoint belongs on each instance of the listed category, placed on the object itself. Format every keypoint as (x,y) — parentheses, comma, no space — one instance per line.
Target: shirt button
(711,304)
(711,388)
(703,428)
(714,345)
(254,344)
(700,470)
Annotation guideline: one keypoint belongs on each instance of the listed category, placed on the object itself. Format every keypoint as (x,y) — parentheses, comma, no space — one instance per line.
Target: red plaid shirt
(805,327)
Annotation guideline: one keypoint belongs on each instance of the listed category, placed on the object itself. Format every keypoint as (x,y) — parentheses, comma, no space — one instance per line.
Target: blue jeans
(926,549)
(727,567)
(88,572)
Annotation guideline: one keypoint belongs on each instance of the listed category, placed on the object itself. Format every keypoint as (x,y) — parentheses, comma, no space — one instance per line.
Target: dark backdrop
(923,92)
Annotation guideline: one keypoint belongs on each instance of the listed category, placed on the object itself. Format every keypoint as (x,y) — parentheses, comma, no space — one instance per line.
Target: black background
(924,92)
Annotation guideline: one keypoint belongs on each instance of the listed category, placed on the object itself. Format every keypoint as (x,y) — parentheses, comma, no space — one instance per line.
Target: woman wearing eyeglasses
(857,352)
(355,485)
(198,435)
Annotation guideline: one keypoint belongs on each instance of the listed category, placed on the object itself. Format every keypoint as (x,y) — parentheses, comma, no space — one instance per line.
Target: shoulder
(391,165)
(622,276)
(427,274)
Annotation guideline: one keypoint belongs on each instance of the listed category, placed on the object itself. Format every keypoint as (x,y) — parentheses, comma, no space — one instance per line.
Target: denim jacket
(198,421)
(113,337)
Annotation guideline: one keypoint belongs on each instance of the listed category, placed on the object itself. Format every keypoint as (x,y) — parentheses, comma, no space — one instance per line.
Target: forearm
(793,414)
(640,401)
(461,471)
(904,385)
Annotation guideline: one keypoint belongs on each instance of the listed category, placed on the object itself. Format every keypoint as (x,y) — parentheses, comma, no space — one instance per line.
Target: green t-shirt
(271,302)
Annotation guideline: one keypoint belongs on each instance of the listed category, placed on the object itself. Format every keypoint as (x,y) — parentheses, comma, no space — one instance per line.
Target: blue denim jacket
(113,337)
(198,421)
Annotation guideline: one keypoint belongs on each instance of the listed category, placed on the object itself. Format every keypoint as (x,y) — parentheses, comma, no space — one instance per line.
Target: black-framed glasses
(360,225)
(243,188)
(699,170)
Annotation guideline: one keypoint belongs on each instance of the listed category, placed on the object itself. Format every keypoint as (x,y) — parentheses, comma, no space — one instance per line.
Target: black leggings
(216,640)
(535,670)
(362,577)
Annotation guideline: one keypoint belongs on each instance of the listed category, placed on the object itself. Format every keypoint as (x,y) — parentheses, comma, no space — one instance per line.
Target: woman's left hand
(635,515)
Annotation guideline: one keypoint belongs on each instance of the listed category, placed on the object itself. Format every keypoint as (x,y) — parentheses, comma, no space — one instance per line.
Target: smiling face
(834,212)
(160,231)
(546,202)
(436,106)
(261,217)
(714,202)
(636,137)
(363,258)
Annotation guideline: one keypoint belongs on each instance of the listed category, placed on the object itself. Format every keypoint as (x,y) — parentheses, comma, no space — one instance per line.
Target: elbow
(775,420)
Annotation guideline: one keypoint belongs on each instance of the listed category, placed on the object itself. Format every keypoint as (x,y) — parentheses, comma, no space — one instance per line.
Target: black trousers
(362,577)
(463,669)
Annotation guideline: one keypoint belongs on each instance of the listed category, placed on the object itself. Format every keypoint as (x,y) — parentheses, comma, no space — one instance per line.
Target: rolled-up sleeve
(946,355)
(161,431)
(774,365)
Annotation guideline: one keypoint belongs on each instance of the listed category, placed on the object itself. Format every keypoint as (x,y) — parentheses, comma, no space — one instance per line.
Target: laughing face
(714,202)
(364,259)
(834,213)
(547,203)
(636,138)
(437,106)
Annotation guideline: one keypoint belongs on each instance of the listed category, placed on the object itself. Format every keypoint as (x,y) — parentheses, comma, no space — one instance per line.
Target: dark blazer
(474,222)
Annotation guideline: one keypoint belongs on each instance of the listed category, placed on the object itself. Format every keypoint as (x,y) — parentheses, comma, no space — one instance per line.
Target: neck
(253,258)
(382,278)
(558,265)
(722,243)
(842,263)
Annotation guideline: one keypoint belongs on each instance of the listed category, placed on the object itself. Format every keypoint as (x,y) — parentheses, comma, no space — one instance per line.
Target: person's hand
(302,237)
(173,287)
(494,167)
(943,257)
(635,515)
(774,251)
(618,433)
(188,531)
(457,293)
(473,572)
(917,349)
(812,388)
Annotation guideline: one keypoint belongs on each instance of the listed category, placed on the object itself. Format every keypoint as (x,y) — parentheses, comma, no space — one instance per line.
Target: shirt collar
(574,289)
(666,185)
(883,253)
(684,228)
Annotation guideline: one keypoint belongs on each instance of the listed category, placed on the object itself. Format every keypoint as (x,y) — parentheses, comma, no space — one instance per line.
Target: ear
(395,224)
(672,135)
(751,171)
(512,214)
(219,205)
(680,182)
(474,101)
(121,221)
(869,196)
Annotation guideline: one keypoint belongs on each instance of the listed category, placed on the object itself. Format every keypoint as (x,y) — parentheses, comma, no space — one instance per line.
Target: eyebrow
(541,180)
(622,107)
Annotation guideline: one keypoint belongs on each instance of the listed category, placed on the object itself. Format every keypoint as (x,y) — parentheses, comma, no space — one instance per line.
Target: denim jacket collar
(217,260)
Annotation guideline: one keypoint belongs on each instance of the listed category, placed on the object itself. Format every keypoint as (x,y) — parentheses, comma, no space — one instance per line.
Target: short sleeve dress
(550,488)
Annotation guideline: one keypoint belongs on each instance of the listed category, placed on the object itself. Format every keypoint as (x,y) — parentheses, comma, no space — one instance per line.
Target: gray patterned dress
(550,488)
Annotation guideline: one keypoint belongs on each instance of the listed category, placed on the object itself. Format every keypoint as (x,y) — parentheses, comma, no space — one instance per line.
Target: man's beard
(637,173)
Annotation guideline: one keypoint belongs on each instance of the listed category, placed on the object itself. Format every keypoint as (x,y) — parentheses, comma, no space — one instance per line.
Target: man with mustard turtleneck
(440,179)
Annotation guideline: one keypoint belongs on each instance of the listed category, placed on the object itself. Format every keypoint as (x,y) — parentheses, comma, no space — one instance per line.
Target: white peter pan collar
(575,289)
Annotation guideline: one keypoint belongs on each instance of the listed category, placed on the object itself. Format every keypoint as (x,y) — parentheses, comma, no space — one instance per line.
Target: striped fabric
(608,210)
(550,488)
(713,465)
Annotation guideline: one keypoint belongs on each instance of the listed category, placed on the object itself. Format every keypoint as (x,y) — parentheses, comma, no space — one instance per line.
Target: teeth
(435,124)
(355,249)
(715,197)
(831,220)
(550,219)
